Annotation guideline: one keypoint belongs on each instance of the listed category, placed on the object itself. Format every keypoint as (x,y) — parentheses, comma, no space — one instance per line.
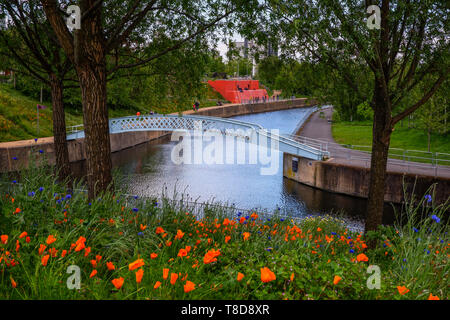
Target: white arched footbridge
(253,132)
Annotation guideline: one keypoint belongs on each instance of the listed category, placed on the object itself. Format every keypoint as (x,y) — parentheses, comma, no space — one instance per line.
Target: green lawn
(360,133)
(18,115)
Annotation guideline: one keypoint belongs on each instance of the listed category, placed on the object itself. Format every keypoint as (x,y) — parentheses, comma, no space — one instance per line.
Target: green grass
(360,133)
(305,257)
(18,114)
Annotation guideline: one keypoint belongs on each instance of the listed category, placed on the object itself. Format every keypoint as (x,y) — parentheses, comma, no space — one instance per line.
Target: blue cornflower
(333,233)
(247,217)
(418,239)
(428,251)
(352,251)
(435,218)
(31,194)
(140,234)
(135,197)
(281,220)
(14,181)
(428,198)
(41,189)
(416,230)
(404,260)
(239,214)
(14,158)
(41,151)
(35,139)
(68,197)
(90,204)
(135,209)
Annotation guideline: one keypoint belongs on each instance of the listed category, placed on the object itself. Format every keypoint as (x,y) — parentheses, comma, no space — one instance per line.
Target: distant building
(249,50)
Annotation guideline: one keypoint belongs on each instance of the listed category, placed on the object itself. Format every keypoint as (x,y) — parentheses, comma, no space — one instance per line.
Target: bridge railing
(160,122)
(407,159)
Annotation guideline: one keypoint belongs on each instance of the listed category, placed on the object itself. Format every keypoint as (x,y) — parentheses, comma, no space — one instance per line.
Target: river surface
(149,169)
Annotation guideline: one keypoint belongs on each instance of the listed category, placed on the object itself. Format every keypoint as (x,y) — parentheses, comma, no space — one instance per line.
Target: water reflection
(149,169)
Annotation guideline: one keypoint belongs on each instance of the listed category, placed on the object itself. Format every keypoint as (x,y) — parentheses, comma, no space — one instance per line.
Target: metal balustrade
(251,131)
(407,159)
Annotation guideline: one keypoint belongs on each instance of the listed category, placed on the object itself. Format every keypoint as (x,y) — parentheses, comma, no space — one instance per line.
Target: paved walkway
(319,128)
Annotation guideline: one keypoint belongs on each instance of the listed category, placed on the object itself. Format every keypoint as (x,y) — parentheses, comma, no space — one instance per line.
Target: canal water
(148,170)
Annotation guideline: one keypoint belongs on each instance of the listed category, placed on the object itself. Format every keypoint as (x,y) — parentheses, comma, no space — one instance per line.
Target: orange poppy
(136,264)
(210,256)
(4,238)
(165,273)
(63,253)
(139,275)
(118,283)
(93,273)
(179,235)
(110,266)
(23,235)
(227,238)
(173,278)
(182,253)
(246,235)
(159,230)
(14,284)
(430,297)
(267,275)
(44,260)
(50,239)
(362,257)
(336,280)
(240,276)
(153,255)
(142,227)
(42,248)
(402,290)
(189,286)
(157,284)
(292,277)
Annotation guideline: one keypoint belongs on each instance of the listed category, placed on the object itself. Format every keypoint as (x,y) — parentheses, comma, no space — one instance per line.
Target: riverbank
(348,171)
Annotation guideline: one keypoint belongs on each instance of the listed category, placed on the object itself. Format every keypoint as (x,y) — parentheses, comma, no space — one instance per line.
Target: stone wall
(354,181)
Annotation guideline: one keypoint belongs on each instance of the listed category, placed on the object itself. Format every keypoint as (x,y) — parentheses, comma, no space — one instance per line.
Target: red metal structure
(239,91)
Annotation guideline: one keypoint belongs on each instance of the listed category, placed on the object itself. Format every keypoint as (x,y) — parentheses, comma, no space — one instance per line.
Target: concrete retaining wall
(23,150)
(354,181)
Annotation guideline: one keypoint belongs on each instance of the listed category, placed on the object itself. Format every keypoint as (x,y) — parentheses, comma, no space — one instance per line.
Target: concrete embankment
(16,154)
(343,176)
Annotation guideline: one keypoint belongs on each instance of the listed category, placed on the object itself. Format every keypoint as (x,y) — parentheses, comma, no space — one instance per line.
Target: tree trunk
(59,129)
(380,149)
(90,59)
(429,138)
(96,128)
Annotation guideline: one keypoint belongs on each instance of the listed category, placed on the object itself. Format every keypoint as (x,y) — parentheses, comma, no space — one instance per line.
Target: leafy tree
(118,35)
(32,49)
(412,42)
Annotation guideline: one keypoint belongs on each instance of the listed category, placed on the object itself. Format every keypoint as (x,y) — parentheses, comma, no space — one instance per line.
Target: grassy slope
(18,115)
(360,133)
